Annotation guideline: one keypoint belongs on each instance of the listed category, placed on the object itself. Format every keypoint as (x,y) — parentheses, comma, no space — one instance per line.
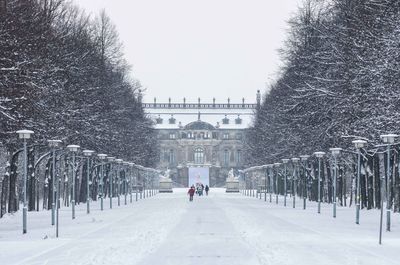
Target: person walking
(191,193)
(207,189)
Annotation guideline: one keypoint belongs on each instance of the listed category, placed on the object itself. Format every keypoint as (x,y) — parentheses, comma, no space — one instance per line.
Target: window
(184,135)
(191,135)
(172,136)
(198,156)
(206,135)
(239,136)
(238,156)
(166,155)
(225,136)
(226,157)
(215,135)
(171,157)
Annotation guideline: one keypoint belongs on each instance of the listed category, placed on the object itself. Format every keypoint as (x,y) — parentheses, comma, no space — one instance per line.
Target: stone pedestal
(232,185)
(165,185)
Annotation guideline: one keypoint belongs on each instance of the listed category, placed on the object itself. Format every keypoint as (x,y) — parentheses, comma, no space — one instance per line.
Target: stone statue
(166,182)
(231,175)
(167,173)
(232,183)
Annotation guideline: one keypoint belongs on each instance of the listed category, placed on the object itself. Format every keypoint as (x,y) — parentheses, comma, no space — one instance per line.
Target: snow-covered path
(218,229)
(205,235)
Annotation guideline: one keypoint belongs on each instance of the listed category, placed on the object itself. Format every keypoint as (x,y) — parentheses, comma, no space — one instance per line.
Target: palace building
(201,142)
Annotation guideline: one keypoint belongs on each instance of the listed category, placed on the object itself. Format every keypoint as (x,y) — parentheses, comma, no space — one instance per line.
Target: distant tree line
(64,76)
(340,81)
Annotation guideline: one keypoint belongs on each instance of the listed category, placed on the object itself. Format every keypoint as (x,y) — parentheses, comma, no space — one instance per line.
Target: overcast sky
(200,48)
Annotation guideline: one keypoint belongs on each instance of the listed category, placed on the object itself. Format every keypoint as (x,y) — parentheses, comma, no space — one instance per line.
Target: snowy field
(218,229)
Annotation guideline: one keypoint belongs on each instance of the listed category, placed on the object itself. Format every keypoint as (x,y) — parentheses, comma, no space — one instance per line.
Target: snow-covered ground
(218,229)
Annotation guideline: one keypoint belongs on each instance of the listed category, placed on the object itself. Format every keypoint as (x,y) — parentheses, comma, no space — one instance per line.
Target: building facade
(201,142)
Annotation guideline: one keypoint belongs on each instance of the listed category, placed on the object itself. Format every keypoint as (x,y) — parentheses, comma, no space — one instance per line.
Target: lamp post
(277,165)
(295,162)
(270,180)
(245,175)
(144,183)
(119,162)
(102,157)
(335,153)
(304,158)
(265,181)
(136,175)
(58,203)
(240,181)
(319,155)
(110,180)
(150,175)
(259,183)
(53,145)
(252,183)
(358,144)
(153,183)
(25,134)
(73,149)
(140,178)
(88,154)
(126,170)
(147,181)
(285,162)
(248,182)
(389,140)
(131,165)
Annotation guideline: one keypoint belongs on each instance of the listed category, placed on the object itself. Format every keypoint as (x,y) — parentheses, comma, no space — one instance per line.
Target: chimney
(140,96)
(258,99)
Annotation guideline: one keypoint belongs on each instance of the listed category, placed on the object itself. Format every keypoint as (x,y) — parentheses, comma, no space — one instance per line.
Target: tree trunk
(4,190)
(370,182)
(396,184)
(13,196)
(363,184)
(31,188)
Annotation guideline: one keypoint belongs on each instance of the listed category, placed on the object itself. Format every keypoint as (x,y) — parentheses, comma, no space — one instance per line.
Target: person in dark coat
(207,189)
(191,193)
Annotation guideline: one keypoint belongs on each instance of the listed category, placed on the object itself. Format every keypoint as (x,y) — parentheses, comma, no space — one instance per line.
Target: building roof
(199,125)
(238,118)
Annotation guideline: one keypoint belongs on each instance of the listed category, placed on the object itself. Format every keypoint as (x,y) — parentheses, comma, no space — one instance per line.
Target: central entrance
(199,175)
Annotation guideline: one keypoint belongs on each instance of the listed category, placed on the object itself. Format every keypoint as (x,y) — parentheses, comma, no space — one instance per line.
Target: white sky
(200,48)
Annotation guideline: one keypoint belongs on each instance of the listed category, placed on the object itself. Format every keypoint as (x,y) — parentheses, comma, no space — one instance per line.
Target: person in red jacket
(191,193)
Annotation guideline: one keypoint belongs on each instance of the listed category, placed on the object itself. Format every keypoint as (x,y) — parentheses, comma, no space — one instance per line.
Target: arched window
(198,156)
